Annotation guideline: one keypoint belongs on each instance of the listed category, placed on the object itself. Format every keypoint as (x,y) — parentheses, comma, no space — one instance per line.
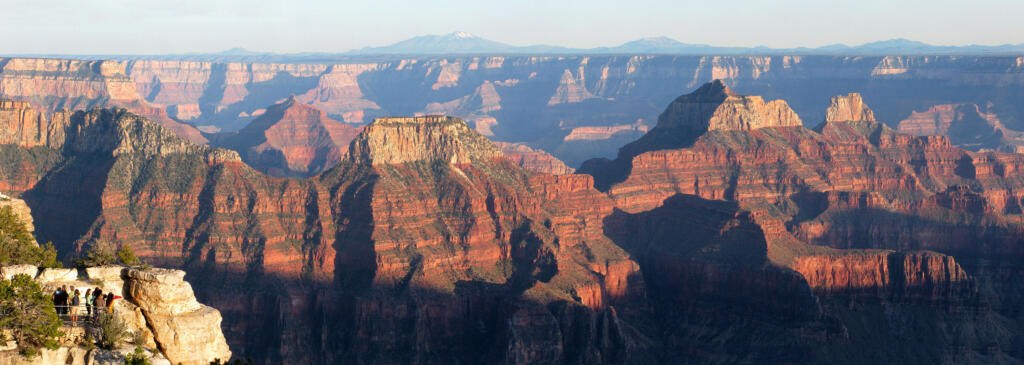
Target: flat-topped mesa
(396,140)
(848,108)
(714,106)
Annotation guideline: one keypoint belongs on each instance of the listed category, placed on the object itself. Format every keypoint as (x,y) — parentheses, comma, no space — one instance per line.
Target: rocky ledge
(157,303)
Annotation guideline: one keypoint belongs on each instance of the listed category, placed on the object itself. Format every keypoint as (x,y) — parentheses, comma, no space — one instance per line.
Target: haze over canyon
(558,209)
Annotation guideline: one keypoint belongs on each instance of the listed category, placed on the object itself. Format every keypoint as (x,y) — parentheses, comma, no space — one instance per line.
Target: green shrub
(127,256)
(138,338)
(18,246)
(99,253)
(112,331)
(102,253)
(137,357)
(27,312)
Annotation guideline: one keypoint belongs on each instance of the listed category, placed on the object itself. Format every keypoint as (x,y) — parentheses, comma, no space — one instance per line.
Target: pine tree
(27,312)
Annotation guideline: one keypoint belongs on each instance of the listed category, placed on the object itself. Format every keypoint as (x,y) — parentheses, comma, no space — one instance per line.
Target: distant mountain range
(465,43)
(462,43)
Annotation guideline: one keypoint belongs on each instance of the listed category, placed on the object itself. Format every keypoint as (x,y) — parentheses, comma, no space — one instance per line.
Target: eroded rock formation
(186,332)
(821,196)
(757,240)
(156,302)
(291,139)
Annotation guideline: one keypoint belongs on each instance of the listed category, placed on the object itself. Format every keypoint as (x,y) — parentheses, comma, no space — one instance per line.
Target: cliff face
(541,100)
(853,184)
(536,100)
(53,86)
(426,244)
(27,127)
(968,126)
(291,139)
(426,222)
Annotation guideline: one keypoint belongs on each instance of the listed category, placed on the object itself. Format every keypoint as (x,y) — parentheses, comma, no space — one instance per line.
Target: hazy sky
(162,26)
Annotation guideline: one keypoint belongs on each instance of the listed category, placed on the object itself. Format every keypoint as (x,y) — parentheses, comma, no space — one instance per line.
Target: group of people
(68,302)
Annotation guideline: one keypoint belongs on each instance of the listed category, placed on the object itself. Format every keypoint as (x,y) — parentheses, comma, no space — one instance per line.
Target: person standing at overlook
(89,298)
(101,302)
(75,302)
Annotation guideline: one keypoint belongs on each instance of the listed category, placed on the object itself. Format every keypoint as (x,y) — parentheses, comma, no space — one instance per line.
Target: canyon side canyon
(709,210)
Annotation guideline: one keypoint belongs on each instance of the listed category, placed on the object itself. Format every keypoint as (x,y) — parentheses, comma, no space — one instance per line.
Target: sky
(289,26)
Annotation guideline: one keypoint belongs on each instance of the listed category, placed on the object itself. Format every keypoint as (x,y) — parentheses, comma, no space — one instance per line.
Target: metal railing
(79,315)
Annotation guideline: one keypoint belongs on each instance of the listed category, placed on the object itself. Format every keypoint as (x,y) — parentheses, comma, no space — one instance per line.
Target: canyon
(575,107)
(725,232)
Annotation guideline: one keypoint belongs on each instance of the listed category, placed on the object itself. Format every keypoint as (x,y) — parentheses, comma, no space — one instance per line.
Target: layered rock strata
(426,218)
(823,196)
(291,139)
(426,244)
(533,159)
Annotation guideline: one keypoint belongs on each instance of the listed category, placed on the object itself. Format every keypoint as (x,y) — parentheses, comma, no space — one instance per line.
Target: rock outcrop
(715,107)
(159,304)
(291,139)
(186,332)
(430,138)
(902,276)
(711,108)
(20,210)
(848,108)
(24,126)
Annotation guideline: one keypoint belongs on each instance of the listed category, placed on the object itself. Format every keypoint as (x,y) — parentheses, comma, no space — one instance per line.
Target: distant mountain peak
(461,34)
(895,42)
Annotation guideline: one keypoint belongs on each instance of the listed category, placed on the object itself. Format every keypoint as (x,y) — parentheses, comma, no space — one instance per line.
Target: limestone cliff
(430,138)
(54,85)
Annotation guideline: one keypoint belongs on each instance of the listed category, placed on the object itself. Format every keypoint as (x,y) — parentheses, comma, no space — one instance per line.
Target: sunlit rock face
(53,86)
(425,221)
(155,305)
(757,240)
(521,99)
(848,206)
(188,332)
(290,139)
